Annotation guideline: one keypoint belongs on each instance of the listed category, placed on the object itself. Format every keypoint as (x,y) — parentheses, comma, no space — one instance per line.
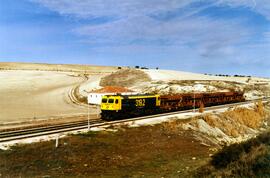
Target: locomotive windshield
(104,100)
(110,100)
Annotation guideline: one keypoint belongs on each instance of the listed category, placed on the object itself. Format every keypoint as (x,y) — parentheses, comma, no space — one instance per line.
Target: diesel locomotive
(124,106)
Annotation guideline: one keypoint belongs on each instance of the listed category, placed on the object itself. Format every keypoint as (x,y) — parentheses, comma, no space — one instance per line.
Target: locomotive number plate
(140,102)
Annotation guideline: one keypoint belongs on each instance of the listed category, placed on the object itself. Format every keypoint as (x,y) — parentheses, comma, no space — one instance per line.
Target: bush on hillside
(248,159)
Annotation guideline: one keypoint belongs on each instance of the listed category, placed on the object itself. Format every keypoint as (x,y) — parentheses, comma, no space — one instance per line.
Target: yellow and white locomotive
(123,106)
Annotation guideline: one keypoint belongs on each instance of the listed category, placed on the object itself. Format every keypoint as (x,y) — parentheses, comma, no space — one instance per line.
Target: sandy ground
(180,75)
(31,95)
(169,81)
(91,84)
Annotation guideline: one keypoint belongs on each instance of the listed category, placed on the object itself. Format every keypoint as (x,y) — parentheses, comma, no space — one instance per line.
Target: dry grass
(259,108)
(252,87)
(267,113)
(237,121)
(171,127)
(148,151)
(228,127)
(248,117)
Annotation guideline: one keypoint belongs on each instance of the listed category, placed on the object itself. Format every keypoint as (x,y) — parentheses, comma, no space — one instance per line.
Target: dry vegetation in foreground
(164,150)
(248,159)
(238,121)
(149,151)
(125,78)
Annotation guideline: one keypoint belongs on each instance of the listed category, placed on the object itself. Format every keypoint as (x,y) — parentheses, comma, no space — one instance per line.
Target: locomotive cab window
(104,100)
(116,101)
(110,100)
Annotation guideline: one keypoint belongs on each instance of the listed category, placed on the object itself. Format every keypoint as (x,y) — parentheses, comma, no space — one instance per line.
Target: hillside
(49,91)
(56,67)
(168,82)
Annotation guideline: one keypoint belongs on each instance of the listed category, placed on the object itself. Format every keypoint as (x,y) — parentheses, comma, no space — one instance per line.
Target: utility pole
(88,117)
(56,140)
(194,101)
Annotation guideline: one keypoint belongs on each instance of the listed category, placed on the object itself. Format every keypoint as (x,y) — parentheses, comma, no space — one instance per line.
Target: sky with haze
(204,36)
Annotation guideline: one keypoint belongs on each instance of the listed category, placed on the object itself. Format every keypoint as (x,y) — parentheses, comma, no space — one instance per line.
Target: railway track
(45,130)
(80,125)
(72,93)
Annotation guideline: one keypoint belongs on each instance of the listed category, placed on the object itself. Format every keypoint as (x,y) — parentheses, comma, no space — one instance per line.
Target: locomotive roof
(135,95)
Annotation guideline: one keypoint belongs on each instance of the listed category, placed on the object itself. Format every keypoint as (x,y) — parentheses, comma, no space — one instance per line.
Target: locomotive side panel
(138,104)
(131,106)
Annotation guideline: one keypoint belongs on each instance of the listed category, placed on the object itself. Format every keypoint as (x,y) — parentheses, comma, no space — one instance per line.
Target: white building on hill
(95,96)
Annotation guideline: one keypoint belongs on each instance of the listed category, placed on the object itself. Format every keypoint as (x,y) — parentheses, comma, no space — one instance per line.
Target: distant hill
(56,67)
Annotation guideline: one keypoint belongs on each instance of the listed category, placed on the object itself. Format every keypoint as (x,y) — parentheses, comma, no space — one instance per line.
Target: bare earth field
(35,92)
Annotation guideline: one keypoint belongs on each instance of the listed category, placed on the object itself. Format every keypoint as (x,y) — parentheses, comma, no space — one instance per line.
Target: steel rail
(45,128)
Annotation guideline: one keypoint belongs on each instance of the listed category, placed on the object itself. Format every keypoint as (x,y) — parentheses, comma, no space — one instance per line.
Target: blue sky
(210,36)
